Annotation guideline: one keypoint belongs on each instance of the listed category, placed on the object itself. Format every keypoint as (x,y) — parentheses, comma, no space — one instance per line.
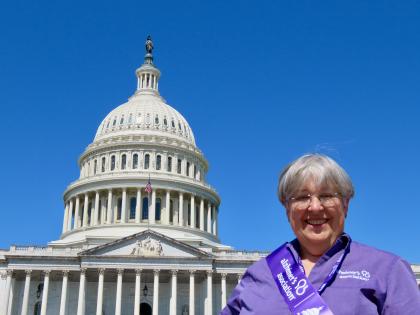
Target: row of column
(107,214)
(81,306)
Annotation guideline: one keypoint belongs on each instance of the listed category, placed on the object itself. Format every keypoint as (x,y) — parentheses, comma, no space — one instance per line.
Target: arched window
(189,215)
(173,123)
(197,217)
(165,122)
(103,165)
(119,207)
(188,169)
(132,208)
(122,120)
(169,166)
(114,122)
(112,162)
(158,162)
(135,161)
(157,120)
(146,161)
(179,166)
(158,209)
(95,165)
(171,211)
(123,161)
(145,208)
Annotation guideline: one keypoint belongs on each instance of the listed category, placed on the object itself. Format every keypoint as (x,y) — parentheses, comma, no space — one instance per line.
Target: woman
(323,271)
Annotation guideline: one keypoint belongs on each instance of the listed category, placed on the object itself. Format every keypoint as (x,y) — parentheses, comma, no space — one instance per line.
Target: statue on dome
(149,45)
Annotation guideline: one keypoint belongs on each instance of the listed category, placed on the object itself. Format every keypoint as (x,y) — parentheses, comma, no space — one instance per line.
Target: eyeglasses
(303,201)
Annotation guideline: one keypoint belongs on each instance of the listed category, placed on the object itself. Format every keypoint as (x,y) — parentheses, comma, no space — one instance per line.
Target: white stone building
(124,250)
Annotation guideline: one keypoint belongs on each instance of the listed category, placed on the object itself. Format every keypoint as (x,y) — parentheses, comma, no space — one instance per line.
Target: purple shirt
(370,281)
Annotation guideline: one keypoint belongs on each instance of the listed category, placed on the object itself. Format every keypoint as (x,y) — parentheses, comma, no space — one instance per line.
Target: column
(137,293)
(66,217)
(192,211)
(85,210)
(124,206)
(181,209)
(96,211)
(44,302)
(26,292)
(239,277)
(156,292)
(100,298)
(192,293)
(172,310)
(223,290)
(214,220)
(70,217)
(152,208)
(77,214)
(138,206)
(209,293)
(109,208)
(63,301)
(209,218)
(5,307)
(168,207)
(202,214)
(119,292)
(81,300)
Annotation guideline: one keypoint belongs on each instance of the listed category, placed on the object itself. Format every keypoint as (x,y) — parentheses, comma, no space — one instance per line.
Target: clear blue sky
(260,84)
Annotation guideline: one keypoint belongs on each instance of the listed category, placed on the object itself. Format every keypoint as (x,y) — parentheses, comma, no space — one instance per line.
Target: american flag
(148,188)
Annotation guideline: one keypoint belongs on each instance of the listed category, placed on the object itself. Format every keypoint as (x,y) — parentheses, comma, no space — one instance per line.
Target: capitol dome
(142,171)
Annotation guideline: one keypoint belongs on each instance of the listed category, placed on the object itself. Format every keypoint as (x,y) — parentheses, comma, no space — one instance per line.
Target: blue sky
(260,84)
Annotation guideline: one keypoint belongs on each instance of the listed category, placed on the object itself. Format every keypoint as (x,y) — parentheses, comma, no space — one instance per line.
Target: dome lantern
(148,75)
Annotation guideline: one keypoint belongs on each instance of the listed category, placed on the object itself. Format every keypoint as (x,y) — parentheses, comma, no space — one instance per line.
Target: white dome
(145,114)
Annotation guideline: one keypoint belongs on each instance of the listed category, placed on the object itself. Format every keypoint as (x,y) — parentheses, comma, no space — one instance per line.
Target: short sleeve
(235,303)
(403,295)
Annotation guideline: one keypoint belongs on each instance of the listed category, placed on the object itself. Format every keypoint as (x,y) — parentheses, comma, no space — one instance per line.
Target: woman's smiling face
(316,225)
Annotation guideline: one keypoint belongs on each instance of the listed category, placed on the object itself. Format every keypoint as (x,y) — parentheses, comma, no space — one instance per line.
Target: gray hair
(318,167)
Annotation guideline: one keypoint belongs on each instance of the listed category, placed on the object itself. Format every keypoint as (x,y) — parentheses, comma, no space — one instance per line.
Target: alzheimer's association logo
(311,311)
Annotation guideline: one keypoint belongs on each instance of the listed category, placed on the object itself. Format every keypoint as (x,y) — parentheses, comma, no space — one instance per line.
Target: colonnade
(81,303)
(133,205)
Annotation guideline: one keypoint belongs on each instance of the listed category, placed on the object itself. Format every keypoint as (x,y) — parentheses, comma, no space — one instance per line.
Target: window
(157,120)
(146,161)
(173,123)
(189,215)
(123,161)
(119,207)
(122,120)
(112,162)
(130,118)
(107,125)
(135,161)
(188,168)
(169,164)
(158,162)
(37,308)
(114,122)
(171,211)
(195,171)
(165,122)
(179,166)
(145,207)
(158,209)
(99,211)
(133,208)
(197,217)
(95,165)
(103,165)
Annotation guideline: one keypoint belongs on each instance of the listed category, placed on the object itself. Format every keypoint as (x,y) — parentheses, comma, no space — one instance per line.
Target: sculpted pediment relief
(146,244)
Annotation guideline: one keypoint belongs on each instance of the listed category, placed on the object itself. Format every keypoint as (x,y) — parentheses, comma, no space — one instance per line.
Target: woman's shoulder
(363,251)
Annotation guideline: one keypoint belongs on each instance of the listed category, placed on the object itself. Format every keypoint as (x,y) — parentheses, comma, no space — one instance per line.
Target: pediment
(146,244)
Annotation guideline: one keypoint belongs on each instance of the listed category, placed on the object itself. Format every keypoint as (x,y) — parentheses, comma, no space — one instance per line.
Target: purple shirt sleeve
(403,295)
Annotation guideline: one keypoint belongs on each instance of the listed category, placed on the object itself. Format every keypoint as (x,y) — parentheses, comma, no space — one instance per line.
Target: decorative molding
(101,271)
